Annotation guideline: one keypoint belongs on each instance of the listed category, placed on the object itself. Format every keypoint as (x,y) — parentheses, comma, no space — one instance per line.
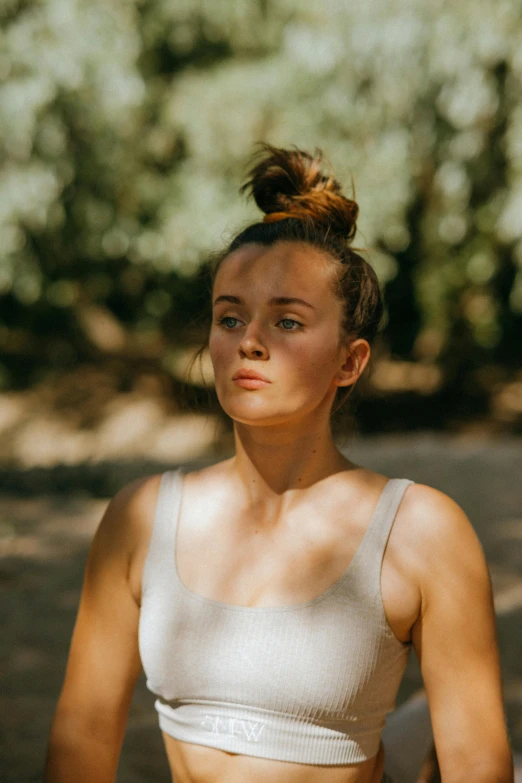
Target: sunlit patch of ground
(34,431)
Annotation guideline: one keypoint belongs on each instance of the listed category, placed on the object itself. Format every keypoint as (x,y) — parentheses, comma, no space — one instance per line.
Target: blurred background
(125,130)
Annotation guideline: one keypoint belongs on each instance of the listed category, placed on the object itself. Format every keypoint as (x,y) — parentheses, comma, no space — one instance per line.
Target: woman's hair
(302,204)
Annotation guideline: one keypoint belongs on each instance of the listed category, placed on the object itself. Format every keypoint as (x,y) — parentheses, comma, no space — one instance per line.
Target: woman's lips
(250,383)
(250,379)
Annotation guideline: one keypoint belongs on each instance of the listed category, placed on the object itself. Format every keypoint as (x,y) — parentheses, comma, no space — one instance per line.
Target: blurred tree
(125,128)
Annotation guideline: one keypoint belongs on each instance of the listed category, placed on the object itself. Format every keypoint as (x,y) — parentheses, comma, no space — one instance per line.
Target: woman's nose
(252,343)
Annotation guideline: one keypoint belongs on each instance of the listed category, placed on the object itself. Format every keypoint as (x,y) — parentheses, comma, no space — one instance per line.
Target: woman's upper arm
(104,663)
(455,640)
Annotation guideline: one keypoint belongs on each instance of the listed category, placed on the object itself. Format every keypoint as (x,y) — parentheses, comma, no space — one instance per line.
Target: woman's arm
(455,640)
(103,666)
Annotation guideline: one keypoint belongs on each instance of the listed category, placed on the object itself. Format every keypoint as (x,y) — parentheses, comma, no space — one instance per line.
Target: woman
(274,597)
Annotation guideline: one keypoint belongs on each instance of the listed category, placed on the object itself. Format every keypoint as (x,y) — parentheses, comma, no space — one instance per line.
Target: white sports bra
(309,683)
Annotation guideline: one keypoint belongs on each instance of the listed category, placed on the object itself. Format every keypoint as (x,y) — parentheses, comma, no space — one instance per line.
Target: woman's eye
(229,322)
(289,321)
(225,321)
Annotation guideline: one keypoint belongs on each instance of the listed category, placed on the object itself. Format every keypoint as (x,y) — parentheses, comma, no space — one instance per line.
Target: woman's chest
(265,563)
(319,641)
(327,658)
(240,563)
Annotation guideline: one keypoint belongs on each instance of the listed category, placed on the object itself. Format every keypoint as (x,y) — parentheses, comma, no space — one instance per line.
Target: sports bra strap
(163,536)
(369,556)
(386,511)
(169,500)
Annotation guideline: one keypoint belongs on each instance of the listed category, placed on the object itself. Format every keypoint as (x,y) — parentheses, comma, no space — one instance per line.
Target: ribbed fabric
(309,683)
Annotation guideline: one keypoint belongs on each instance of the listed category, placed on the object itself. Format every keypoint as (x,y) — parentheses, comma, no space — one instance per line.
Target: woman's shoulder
(126,528)
(123,532)
(126,524)
(132,509)
(439,535)
(435,516)
(132,512)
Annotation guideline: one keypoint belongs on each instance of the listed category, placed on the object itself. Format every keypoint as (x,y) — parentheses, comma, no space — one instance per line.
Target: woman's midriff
(190,763)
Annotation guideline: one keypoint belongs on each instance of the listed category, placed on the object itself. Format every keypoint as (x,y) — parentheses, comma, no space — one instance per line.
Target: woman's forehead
(288,264)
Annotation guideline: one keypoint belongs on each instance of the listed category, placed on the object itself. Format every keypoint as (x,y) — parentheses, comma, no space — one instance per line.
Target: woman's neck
(271,461)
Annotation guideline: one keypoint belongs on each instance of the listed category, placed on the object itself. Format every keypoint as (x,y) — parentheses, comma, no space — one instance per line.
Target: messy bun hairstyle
(303,204)
(290,182)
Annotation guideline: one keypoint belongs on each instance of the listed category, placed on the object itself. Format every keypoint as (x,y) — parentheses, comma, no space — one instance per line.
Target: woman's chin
(261,416)
(258,420)
(249,408)
(257,415)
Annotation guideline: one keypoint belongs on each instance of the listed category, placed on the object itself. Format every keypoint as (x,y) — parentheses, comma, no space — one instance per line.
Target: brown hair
(308,207)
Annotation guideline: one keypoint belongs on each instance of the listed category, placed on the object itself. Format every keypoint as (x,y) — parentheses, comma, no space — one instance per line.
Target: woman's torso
(254,561)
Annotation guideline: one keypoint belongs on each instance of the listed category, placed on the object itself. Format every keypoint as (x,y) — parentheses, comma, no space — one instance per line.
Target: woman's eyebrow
(276,300)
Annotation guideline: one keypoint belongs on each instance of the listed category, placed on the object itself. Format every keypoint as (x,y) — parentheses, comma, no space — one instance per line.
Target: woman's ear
(355,358)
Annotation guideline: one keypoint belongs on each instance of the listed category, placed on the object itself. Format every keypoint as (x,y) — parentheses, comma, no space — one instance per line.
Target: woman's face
(274,313)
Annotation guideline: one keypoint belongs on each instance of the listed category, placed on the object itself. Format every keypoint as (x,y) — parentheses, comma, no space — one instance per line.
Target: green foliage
(125,128)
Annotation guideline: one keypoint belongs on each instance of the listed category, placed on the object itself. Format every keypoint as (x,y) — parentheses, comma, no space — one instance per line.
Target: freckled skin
(305,363)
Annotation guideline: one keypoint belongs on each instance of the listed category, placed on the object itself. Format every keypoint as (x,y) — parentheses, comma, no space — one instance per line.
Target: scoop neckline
(264,609)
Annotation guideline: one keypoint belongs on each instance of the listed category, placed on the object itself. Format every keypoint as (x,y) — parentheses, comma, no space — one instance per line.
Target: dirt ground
(44,539)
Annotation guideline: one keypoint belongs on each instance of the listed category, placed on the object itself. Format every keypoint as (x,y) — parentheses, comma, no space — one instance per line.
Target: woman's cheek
(218,353)
(317,359)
